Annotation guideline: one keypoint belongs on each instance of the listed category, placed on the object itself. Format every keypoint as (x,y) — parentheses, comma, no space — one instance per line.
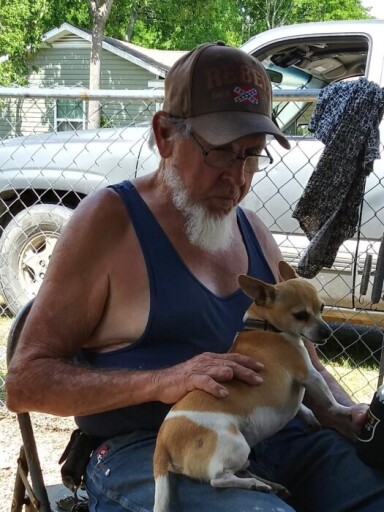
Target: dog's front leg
(324,405)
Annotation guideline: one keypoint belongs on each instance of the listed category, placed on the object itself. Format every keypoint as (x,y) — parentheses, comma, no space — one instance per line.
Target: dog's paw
(312,426)
(310,420)
(281,491)
(260,484)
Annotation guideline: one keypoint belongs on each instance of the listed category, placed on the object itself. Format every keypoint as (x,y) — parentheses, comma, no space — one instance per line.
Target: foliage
(22,26)
(75,12)
(181,24)
(169,24)
(266,14)
(172,24)
(314,10)
(21,29)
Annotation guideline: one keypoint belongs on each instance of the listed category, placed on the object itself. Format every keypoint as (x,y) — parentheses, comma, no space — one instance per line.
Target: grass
(358,381)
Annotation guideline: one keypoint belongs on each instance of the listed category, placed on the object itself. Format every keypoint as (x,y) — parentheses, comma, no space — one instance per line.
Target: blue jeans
(321,470)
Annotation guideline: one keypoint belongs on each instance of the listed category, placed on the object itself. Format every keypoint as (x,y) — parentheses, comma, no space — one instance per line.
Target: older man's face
(207,196)
(217,190)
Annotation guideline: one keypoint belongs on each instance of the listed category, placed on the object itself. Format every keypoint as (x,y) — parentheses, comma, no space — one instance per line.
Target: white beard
(209,232)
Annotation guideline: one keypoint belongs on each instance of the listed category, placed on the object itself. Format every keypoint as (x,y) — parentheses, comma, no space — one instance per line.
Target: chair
(30,490)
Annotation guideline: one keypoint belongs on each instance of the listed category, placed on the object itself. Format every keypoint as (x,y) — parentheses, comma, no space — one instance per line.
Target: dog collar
(252,323)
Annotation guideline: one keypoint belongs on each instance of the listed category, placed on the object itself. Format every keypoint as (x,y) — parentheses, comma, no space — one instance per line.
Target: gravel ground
(52,434)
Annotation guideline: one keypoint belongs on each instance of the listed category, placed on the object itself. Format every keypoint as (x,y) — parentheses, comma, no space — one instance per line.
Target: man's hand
(349,426)
(206,372)
(359,415)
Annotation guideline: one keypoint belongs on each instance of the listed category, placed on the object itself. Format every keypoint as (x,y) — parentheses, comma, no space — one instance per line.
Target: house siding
(23,117)
(66,64)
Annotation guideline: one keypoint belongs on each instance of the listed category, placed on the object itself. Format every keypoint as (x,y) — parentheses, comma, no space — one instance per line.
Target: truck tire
(26,246)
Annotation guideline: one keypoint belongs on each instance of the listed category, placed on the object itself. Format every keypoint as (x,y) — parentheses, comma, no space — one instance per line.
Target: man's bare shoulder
(101,216)
(105,203)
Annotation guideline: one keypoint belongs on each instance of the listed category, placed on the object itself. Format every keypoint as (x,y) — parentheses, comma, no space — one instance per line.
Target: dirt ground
(52,434)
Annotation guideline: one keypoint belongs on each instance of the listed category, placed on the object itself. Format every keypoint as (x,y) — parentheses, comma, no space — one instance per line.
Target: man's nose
(236,172)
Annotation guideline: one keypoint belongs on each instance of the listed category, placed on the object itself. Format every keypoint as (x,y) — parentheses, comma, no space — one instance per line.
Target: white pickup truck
(311,56)
(37,172)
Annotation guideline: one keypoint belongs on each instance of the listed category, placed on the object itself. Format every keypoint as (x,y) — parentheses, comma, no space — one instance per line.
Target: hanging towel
(346,119)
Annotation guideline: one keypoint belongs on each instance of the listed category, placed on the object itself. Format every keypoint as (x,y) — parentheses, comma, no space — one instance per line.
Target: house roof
(157,62)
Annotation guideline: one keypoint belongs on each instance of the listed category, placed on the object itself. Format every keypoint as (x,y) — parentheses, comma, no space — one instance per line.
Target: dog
(209,438)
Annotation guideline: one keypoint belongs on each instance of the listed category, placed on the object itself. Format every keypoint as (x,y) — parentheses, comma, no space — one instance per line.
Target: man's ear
(262,293)
(286,271)
(162,134)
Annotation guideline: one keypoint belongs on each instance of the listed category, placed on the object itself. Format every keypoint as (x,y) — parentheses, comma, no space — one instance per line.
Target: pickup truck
(43,177)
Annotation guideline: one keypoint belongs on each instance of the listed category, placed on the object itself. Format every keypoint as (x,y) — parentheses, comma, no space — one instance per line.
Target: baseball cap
(224,93)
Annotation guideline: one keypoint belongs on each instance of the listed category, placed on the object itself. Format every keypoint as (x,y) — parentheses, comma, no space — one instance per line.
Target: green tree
(181,24)
(169,24)
(22,26)
(75,12)
(21,29)
(265,14)
(315,10)
(174,24)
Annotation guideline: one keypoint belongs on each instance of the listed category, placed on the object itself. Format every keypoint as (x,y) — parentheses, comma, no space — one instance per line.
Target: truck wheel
(25,249)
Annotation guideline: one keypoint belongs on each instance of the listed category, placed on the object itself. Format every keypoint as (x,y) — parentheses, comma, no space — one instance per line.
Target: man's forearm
(58,387)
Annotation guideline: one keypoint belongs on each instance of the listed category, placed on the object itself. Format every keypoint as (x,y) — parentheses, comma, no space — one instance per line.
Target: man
(142,290)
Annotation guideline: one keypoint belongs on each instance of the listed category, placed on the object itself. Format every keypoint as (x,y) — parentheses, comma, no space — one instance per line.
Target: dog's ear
(286,271)
(262,293)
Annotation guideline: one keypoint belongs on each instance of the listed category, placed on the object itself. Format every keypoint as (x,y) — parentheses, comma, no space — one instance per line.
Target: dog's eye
(302,316)
(321,308)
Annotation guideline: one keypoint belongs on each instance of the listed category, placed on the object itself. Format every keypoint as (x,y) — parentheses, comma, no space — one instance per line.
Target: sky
(377,7)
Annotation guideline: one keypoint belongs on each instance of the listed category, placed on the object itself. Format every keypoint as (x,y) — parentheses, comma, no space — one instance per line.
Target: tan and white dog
(209,438)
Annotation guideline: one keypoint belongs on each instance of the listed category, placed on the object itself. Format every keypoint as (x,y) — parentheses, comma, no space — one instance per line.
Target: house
(64,62)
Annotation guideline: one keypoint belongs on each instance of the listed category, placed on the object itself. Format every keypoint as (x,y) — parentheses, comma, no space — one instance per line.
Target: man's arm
(52,385)
(67,311)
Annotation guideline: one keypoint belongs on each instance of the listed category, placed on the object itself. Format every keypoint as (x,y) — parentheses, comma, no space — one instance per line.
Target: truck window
(292,115)
(311,64)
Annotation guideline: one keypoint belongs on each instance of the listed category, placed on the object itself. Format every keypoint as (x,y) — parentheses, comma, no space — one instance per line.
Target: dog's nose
(324,331)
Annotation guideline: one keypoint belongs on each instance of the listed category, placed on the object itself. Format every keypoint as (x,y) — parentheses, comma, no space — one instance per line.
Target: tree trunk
(100,10)
(131,24)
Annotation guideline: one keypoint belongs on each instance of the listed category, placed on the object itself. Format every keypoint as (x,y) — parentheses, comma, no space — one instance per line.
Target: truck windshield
(292,117)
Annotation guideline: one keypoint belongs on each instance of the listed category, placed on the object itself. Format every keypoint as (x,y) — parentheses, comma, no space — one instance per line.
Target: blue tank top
(185,317)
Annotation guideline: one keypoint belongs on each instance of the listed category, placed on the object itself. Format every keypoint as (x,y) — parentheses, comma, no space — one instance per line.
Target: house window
(69,115)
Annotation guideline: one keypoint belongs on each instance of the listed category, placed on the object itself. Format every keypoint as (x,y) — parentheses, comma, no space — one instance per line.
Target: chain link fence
(51,158)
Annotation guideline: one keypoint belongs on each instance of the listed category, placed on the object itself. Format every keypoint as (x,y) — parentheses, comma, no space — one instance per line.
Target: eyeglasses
(221,158)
